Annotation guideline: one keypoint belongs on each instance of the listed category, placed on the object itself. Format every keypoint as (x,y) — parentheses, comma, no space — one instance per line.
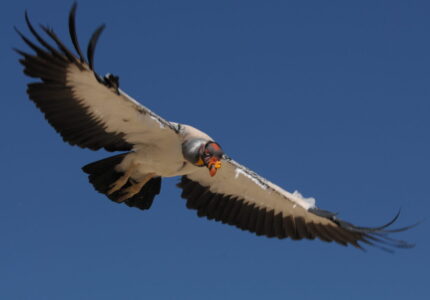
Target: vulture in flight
(91,111)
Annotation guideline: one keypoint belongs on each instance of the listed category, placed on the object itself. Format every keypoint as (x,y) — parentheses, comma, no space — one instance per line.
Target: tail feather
(102,174)
(145,197)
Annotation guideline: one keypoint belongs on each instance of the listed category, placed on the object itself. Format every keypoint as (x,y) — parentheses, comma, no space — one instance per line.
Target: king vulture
(91,111)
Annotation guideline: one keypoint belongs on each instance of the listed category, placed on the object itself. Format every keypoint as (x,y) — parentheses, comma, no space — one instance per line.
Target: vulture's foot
(134,188)
(120,182)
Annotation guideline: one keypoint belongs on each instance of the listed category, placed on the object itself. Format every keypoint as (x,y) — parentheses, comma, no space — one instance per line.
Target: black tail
(102,174)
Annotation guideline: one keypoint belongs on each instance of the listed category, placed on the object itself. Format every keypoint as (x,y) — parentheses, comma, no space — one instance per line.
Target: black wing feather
(72,31)
(70,56)
(92,45)
(51,49)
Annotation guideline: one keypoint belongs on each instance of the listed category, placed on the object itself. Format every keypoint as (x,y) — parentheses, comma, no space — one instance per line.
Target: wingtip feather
(92,45)
(72,31)
(373,236)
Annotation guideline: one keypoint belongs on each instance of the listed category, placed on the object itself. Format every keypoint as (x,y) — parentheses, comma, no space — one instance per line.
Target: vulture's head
(203,153)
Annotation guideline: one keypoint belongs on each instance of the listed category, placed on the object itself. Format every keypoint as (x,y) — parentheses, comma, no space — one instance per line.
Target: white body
(163,159)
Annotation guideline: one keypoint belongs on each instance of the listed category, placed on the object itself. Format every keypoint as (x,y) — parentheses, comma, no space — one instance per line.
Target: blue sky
(331,98)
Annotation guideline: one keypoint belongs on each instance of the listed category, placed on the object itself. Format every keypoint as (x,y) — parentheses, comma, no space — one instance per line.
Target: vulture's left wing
(87,110)
(238,196)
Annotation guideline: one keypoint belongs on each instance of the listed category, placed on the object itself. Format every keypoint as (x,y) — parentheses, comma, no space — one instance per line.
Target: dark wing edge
(230,209)
(373,236)
(55,98)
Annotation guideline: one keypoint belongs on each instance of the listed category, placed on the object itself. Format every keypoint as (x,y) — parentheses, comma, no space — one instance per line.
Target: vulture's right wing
(237,196)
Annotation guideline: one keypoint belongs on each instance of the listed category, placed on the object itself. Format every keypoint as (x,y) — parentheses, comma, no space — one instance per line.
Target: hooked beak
(213,165)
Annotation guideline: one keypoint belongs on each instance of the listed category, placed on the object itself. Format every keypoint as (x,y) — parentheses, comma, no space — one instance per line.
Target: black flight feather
(92,45)
(72,31)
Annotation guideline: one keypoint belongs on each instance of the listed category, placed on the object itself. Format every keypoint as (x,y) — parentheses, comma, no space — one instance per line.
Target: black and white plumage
(92,112)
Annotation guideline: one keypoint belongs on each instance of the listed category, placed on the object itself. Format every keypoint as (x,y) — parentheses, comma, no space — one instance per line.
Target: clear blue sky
(333,96)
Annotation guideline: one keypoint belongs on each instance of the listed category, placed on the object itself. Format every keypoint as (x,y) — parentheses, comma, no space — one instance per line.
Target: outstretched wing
(87,110)
(239,197)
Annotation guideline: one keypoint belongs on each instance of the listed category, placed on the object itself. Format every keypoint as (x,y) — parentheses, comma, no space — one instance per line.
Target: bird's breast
(163,161)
